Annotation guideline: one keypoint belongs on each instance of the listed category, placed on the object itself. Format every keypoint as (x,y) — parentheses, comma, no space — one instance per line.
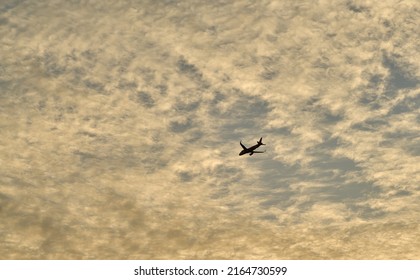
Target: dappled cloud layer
(120,126)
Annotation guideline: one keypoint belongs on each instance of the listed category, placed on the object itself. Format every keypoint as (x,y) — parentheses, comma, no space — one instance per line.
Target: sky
(120,126)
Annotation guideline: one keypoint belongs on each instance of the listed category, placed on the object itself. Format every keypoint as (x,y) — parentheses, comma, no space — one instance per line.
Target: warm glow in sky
(120,124)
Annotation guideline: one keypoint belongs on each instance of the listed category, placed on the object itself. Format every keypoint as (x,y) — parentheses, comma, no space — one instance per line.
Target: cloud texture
(121,123)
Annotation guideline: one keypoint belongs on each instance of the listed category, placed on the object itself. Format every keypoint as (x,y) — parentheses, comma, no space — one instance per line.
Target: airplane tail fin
(260,142)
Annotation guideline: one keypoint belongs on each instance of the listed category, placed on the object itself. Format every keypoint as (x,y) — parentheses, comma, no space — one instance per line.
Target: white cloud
(121,120)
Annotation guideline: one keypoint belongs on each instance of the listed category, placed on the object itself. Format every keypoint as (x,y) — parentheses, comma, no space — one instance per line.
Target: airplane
(250,150)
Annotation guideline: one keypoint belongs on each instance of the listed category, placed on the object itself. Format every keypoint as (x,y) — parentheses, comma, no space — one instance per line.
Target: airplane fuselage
(249,150)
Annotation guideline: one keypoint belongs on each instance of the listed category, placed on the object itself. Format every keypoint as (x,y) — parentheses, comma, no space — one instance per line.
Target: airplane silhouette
(250,150)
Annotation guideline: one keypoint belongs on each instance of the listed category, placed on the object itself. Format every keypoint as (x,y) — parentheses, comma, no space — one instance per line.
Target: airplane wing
(243,147)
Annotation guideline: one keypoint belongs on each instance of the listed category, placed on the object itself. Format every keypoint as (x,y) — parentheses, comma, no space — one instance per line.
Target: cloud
(121,122)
